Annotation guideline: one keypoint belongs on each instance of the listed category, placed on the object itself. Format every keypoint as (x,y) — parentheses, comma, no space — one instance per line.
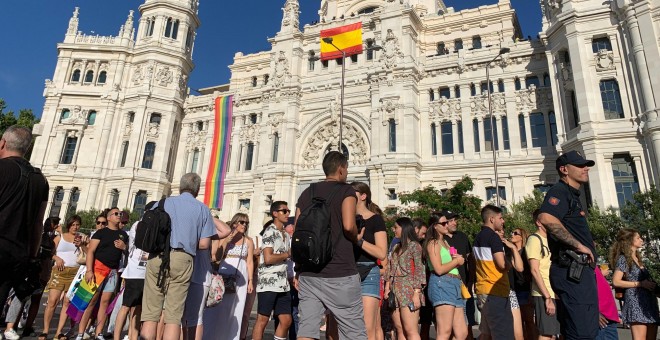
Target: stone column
(640,60)
(548,130)
(482,143)
(528,130)
(454,134)
(500,134)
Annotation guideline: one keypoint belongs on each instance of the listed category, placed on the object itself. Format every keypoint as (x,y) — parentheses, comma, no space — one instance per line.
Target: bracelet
(359,243)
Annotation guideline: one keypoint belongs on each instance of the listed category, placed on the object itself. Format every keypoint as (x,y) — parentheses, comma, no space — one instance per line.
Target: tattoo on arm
(558,230)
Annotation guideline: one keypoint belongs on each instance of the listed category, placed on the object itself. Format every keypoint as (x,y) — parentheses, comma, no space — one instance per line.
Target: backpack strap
(22,182)
(541,241)
(165,263)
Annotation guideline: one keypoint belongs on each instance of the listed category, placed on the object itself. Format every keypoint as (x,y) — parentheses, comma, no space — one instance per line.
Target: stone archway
(328,134)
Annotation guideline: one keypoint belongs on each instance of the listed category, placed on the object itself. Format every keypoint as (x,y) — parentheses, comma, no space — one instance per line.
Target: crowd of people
(526,286)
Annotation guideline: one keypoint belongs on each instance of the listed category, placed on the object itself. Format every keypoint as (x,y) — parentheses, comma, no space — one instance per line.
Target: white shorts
(195,302)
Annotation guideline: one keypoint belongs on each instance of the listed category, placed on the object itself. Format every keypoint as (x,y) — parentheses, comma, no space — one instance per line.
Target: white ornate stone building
(118,127)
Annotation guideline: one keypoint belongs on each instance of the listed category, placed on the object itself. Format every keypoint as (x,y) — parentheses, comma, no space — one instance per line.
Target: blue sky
(34,27)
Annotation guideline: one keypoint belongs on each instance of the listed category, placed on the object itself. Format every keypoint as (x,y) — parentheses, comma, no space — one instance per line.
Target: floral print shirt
(407,273)
(273,277)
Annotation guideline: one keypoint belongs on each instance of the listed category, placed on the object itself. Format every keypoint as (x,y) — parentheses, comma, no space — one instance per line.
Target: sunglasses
(516,233)
(245,223)
(116,214)
(443,223)
(284,211)
(103,223)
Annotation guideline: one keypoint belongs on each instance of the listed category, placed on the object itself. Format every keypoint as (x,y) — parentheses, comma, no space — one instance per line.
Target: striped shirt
(490,280)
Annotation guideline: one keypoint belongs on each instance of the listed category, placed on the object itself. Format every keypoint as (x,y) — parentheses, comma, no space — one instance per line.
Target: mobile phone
(453,251)
(411,306)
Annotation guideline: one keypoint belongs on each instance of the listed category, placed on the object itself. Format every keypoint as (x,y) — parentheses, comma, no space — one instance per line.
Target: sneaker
(79,337)
(100,337)
(126,337)
(11,334)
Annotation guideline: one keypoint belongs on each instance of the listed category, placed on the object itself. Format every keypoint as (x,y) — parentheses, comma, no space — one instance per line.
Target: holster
(574,262)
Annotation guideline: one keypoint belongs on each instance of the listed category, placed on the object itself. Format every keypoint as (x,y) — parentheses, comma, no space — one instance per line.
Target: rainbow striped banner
(84,291)
(215,180)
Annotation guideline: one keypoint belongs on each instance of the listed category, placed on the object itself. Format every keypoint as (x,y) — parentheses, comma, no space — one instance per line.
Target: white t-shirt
(137,259)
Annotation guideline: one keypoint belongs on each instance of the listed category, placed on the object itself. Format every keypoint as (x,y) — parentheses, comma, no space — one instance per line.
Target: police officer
(572,248)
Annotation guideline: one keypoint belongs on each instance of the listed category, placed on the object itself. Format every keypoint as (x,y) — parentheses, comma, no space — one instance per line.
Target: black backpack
(311,244)
(153,236)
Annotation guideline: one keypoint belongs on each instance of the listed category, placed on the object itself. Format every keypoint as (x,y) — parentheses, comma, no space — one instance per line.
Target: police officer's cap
(573,158)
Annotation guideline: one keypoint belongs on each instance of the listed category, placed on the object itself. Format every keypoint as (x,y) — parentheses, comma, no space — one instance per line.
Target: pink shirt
(606,303)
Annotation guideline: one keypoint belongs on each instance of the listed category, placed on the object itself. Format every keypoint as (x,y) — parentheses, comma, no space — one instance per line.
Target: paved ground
(624,334)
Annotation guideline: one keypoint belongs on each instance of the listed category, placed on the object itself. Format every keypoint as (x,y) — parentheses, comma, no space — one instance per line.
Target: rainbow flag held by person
(84,292)
(347,38)
(215,180)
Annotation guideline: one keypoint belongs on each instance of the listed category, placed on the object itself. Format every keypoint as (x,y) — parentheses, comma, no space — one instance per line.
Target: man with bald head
(23,199)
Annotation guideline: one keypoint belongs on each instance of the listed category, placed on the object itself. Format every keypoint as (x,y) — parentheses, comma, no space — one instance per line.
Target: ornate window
(473,90)
(58,197)
(611,97)
(151,22)
(114,198)
(459,127)
(155,118)
(505,133)
(253,118)
(475,130)
(489,137)
(195,161)
(149,152)
(458,45)
(602,43)
(75,76)
(73,201)
(69,150)
(140,202)
(553,128)
(89,76)
(532,80)
(441,49)
(476,42)
(124,153)
(447,138)
(102,77)
(434,140)
(276,146)
(392,135)
(367,10)
(537,125)
(500,86)
(444,92)
(91,117)
(189,38)
(249,156)
(625,178)
(523,131)
(66,113)
(490,193)
(171,28)
(457,91)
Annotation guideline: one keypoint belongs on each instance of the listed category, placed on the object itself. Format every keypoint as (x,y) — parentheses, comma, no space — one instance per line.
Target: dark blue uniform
(578,310)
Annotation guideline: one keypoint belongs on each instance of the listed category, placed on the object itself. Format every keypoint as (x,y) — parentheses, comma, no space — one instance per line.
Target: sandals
(62,336)
(43,336)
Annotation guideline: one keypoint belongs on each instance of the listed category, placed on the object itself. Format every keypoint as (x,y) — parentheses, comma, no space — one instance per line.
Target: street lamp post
(492,122)
(328,40)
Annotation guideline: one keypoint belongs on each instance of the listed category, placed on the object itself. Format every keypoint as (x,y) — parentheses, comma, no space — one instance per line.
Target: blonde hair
(623,246)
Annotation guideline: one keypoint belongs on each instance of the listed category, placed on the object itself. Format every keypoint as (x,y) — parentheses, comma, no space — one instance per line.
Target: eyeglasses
(117,213)
(101,222)
(443,223)
(284,211)
(245,223)
(516,233)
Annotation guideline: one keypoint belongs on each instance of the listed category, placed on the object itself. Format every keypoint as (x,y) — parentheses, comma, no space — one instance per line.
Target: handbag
(230,281)
(216,290)
(391,301)
(465,293)
(81,258)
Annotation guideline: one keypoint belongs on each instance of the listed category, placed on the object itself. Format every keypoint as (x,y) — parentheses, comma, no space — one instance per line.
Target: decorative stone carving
(138,75)
(566,73)
(479,105)
(526,99)
(164,76)
(195,138)
(281,71)
(504,60)
(275,121)
(248,133)
(605,60)
(154,130)
(445,109)
(291,14)
(328,135)
(183,82)
(462,66)
(391,51)
(499,102)
(77,117)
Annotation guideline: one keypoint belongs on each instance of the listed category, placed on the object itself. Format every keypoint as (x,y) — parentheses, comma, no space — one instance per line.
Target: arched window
(611,98)
(102,77)
(473,90)
(253,118)
(140,202)
(171,28)
(151,22)
(58,197)
(89,76)
(367,10)
(75,76)
(149,152)
(91,118)
(175,29)
(65,114)
(168,27)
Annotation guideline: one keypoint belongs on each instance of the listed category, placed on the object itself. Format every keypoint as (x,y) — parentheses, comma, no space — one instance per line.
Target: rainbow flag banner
(84,291)
(347,38)
(215,180)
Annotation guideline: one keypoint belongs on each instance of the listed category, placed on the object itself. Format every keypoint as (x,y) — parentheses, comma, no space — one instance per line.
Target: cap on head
(448,214)
(573,158)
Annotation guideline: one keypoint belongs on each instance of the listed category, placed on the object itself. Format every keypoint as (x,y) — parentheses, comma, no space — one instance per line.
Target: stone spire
(73,23)
(291,18)
(127,28)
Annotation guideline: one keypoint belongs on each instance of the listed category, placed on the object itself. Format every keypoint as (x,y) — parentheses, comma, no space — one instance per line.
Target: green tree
(25,118)
(89,218)
(422,202)
(604,225)
(519,214)
(7,118)
(643,214)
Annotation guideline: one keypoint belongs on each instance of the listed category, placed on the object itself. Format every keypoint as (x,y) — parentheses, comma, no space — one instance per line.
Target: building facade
(416,109)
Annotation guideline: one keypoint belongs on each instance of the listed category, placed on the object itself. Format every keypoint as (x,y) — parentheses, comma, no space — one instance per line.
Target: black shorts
(133,289)
(277,303)
(427,312)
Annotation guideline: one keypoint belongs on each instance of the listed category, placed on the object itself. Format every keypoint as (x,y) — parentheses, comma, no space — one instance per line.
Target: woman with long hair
(374,248)
(407,277)
(67,247)
(522,285)
(445,281)
(640,307)
(234,257)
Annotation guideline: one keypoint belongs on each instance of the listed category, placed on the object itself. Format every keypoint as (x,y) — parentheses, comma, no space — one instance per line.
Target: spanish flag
(348,38)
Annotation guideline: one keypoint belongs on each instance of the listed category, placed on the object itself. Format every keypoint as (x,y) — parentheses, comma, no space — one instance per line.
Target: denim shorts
(110,282)
(445,290)
(371,284)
